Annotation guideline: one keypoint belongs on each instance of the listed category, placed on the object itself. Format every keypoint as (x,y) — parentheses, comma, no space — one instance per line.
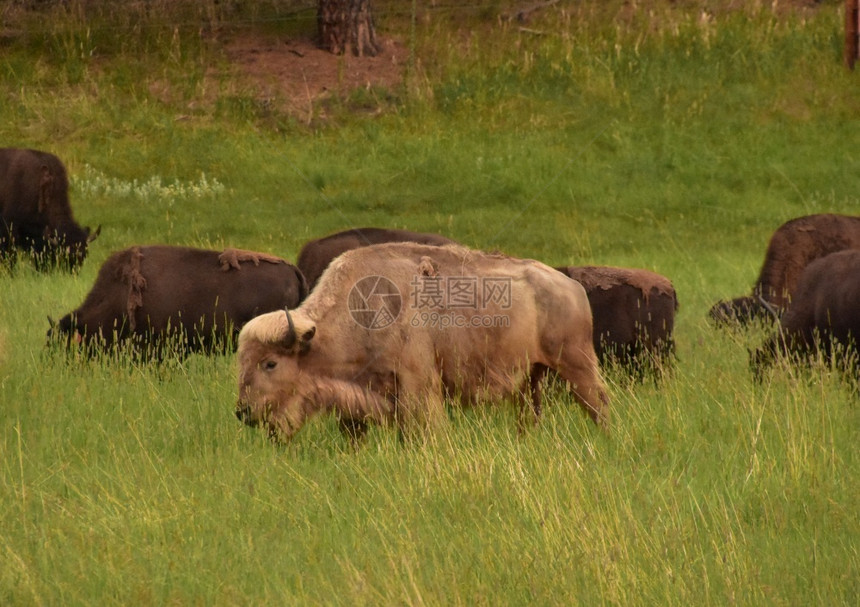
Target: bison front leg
(283,417)
(289,418)
(762,358)
(355,406)
(785,345)
(420,407)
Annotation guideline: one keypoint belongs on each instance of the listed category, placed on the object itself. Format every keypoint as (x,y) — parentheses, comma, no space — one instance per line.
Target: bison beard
(403,372)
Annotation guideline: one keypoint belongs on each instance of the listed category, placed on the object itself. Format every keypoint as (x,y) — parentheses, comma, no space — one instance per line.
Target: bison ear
(304,340)
(297,338)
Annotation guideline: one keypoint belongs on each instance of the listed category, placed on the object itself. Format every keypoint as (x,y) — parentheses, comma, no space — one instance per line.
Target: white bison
(391,330)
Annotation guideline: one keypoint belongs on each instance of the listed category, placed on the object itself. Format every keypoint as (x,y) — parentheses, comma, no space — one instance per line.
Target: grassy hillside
(655,135)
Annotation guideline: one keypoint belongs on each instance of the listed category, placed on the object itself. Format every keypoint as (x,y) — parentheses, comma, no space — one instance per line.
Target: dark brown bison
(178,298)
(393,329)
(317,254)
(791,248)
(823,316)
(35,215)
(634,315)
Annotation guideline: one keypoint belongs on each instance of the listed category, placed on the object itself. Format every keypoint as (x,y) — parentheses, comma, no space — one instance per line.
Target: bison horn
(769,307)
(290,337)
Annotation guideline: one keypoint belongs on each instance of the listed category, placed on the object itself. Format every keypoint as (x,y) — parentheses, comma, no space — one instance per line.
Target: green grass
(657,141)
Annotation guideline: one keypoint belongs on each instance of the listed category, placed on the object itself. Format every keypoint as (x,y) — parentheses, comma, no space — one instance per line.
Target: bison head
(66,248)
(67,330)
(273,390)
(743,311)
(739,310)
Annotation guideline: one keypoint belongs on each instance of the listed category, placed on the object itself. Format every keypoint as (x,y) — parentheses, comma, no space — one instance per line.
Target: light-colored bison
(35,215)
(791,248)
(191,300)
(824,311)
(392,330)
(315,256)
(634,315)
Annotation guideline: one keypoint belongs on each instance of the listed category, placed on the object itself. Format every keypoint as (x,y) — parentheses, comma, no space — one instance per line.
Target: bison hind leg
(420,407)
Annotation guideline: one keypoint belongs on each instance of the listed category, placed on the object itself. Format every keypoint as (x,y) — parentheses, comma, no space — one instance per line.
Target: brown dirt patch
(294,76)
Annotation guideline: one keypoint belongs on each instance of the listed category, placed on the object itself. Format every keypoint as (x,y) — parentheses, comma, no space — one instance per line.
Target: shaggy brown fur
(325,357)
(634,315)
(153,295)
(316,255)
(132,277)
(825,310)
(233,258)
(35,214)
(791,248)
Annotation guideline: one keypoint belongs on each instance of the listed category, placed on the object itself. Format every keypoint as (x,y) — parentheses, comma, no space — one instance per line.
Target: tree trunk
(347,25)
(852,25)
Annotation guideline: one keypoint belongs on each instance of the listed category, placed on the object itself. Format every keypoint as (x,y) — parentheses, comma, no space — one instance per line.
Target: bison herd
(809,285)
(380,325)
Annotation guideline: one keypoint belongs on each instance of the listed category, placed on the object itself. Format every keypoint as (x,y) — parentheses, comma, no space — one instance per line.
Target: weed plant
(670,136)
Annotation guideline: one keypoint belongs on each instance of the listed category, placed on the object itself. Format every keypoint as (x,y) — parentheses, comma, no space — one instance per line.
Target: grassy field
(658,136)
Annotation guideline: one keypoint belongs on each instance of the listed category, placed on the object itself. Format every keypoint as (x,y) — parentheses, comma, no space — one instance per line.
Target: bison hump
(608,277)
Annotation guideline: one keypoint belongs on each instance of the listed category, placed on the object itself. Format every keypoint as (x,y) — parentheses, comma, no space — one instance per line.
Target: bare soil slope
(294,75)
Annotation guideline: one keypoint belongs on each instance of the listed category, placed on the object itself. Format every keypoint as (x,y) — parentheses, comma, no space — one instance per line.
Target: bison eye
(269,365)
